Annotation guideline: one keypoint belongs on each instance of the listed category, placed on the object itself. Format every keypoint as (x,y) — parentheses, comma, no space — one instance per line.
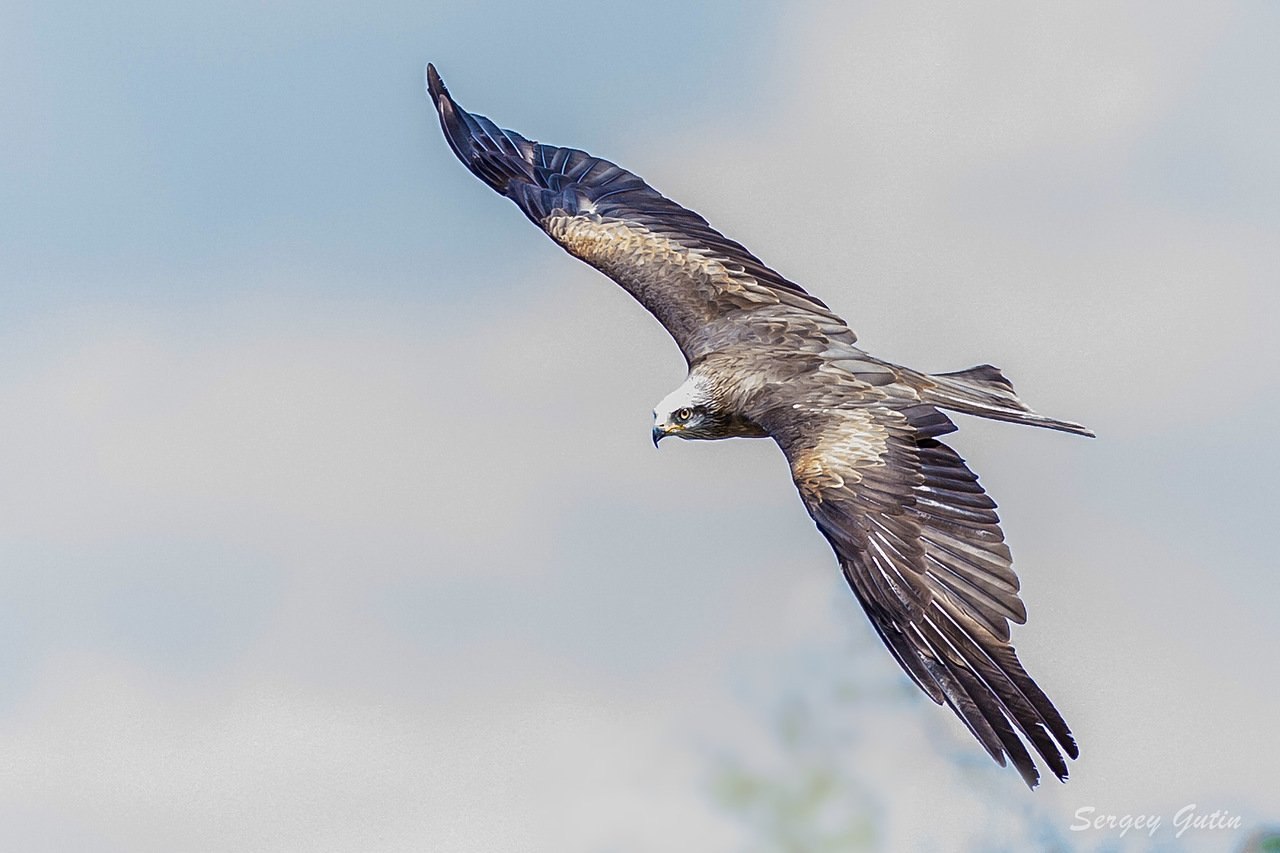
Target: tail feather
(984,391)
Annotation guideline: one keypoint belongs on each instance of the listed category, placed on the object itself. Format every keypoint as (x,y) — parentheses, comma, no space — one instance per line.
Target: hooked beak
(658,434)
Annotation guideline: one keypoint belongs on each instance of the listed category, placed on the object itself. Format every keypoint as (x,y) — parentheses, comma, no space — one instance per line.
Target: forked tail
(983,391)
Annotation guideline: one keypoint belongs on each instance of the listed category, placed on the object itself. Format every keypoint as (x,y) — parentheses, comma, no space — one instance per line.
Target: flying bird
(916,536)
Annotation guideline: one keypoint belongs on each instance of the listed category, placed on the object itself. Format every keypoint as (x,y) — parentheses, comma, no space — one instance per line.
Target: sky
(329,517)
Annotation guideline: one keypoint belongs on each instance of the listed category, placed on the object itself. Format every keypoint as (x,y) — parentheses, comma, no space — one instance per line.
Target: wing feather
(705,288)
(920,544)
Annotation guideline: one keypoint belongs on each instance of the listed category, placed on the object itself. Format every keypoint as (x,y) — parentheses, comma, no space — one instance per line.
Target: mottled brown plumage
(917,537)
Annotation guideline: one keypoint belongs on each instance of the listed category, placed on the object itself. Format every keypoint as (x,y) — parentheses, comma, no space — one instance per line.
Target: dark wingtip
(454,130)
(435,85)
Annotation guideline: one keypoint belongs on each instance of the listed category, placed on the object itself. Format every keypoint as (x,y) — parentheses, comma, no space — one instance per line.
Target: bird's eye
(683,415)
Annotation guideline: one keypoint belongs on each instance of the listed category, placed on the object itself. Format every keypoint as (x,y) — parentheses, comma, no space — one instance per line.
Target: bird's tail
(984,391)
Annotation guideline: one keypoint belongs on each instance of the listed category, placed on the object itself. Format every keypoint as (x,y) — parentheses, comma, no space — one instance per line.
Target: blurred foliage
(812,795)
(1266,840)
(810,799)
(812,804)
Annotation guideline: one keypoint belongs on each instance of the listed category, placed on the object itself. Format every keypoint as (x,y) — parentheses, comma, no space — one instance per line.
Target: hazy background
(329,518)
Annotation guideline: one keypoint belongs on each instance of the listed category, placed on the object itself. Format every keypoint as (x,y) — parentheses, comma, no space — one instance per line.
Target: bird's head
(687,412)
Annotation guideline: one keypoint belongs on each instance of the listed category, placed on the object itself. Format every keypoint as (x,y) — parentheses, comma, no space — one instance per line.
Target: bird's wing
(707,290)
(921,546)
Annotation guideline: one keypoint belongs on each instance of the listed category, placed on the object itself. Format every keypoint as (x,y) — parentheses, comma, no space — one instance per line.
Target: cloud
(123,761)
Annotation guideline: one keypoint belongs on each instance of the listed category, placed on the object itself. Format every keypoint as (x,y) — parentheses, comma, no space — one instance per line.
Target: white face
(680,412)
(687,396)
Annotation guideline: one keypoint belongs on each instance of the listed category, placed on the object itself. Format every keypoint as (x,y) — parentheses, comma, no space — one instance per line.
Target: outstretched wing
(706,289)
(920,544)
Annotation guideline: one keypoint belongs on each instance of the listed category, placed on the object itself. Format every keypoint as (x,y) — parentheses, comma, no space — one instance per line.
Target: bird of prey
(917,537)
